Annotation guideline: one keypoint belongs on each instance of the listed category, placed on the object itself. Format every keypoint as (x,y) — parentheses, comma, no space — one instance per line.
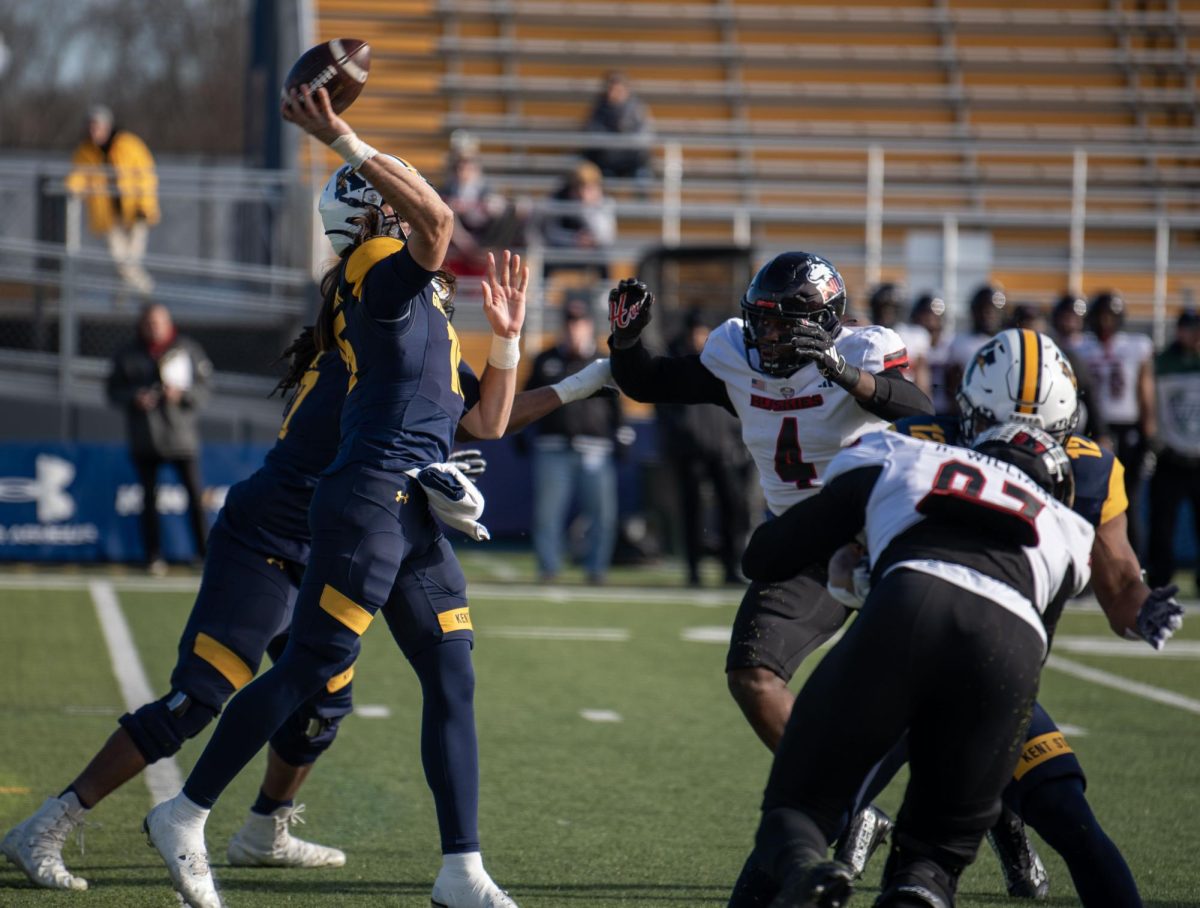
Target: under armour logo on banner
(48,488)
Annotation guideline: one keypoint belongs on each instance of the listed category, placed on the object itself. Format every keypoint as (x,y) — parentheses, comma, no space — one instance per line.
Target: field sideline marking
(163,778)
(1125,685)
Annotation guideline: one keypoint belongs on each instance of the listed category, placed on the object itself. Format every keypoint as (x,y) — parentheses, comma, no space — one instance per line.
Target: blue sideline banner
(82,502)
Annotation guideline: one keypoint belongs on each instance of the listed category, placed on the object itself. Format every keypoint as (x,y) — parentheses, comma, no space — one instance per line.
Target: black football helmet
(791,288)
(1035,453)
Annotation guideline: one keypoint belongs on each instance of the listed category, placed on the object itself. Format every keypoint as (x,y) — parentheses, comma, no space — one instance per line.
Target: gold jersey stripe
(1040,749)
(458,619)
(337,682)
(345,610)
(223,659)
(1116,502)
(366,257)
(1031,354)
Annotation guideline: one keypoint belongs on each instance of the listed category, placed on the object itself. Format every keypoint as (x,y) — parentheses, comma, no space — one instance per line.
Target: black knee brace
(310,730)
(159,729)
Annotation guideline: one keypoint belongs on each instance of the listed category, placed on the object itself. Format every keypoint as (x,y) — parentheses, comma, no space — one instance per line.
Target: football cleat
(36,846)
(1025,876)
(824,884)
(181,846)
(266,840)
(910,895)
(868,830)
(471,890)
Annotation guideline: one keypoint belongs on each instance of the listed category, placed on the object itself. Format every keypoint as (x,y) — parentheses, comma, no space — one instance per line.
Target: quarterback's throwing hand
(814,344)
(629,311)
(1160,617)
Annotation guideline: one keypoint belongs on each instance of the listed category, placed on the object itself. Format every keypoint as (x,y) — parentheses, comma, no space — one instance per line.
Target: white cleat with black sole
(181,846)
(36,846)
(266,840)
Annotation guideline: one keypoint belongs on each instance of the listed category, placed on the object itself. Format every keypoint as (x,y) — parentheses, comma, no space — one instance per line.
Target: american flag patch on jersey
(758,384)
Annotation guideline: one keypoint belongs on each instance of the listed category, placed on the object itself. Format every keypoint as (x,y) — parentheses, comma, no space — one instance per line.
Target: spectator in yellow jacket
(115,174)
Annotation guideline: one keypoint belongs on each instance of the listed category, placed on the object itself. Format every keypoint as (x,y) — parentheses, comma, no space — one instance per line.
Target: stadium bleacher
(978,107)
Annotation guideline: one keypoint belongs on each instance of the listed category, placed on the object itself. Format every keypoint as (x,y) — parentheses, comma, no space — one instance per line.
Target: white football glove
(584,383)
(849,575)
(471,461)
(1160,617)
(454,498)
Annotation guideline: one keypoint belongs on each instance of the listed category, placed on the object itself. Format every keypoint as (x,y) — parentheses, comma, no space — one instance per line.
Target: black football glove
(1159,618)
(469,462)
(814,344)
(629,311)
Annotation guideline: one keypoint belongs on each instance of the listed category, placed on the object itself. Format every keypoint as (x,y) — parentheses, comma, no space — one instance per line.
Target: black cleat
(910,895)
(1025,876)
(868,830)
(826,884)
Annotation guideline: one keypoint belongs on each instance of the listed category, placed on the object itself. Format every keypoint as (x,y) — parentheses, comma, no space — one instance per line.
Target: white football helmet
(348,195)
(1018,376)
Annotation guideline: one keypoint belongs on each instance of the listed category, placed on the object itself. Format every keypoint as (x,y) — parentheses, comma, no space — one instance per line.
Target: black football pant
(732,509)
(189,474)
(959,672)
(1176,479)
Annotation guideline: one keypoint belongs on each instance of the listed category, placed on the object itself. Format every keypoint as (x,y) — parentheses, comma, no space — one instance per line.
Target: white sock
(187,812)
(463,864)
(76,810)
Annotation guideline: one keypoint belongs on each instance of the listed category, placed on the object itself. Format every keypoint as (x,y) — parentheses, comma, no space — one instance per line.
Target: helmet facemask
(790,290)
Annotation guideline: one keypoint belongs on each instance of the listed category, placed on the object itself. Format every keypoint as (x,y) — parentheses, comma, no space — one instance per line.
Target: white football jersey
(1115,366)
(794,426)
(963,347)
(912,468)
(938,357)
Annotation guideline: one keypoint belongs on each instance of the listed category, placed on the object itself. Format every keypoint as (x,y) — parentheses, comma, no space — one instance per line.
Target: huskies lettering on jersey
(778,406)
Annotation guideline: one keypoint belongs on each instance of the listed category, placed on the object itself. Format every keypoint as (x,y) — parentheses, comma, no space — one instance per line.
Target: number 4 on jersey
(789,463)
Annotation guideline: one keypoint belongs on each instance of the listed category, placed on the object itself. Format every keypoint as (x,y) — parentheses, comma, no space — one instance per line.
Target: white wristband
(353,150)
(505,353)
(584,383)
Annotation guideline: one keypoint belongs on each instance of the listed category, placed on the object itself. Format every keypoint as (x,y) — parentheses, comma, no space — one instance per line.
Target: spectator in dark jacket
(573,451)
(161,382)
(618,111)
(704,442)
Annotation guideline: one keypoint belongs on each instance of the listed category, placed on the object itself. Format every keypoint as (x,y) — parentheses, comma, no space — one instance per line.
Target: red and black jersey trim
(897,360)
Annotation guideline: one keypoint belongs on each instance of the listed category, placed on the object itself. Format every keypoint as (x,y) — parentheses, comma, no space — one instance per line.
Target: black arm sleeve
(665,379)
(896,397)
(811,531)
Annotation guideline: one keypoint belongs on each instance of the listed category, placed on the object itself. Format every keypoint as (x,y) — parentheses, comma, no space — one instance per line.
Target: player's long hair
(302,351)
(370,224)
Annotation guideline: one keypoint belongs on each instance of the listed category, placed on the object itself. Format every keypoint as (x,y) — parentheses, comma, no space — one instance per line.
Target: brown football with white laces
(339,65)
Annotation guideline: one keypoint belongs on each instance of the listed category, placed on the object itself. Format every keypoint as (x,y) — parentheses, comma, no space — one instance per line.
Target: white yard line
(162,778)
(603,634)
(600,715)
(1115,646)
(1125,685)
(558,594)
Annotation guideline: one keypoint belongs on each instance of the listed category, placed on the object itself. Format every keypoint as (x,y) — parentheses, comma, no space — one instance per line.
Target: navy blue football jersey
(268,511)
(405,395)
(1099,476)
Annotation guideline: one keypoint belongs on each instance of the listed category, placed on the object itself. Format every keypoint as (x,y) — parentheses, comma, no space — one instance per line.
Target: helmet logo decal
(826,280)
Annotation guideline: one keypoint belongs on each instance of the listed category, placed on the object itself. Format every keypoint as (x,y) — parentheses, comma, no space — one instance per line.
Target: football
(340,65)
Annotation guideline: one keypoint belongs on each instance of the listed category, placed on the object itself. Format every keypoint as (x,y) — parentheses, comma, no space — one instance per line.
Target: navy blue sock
(1059,812)
(449,750)
(267,806)
(249,720)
